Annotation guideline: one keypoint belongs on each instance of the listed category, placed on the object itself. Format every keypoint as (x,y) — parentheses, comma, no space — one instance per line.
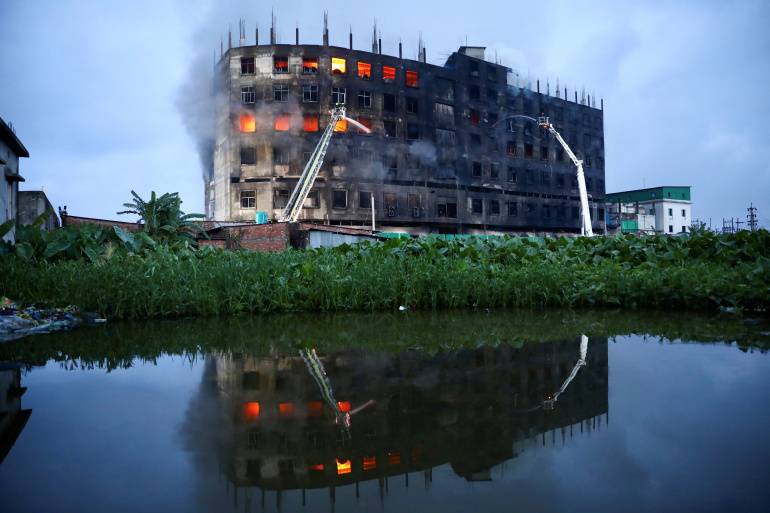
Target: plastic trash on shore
(16,323)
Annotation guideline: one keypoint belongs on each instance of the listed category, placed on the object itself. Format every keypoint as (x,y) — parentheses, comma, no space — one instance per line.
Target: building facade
(663,210)
(11,150)
(451,149)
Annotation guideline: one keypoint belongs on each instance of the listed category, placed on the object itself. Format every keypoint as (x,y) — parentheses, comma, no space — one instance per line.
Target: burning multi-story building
(451,149)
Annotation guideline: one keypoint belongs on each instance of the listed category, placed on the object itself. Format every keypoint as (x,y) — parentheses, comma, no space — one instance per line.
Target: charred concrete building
(452,148)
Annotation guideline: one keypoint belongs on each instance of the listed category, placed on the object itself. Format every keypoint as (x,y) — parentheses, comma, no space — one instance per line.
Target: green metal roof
(655,193)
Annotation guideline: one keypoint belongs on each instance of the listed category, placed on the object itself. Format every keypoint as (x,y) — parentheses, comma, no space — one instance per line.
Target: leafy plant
(162,217)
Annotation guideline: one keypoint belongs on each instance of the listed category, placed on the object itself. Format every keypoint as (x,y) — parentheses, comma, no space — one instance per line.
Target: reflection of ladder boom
(548,403)
(585,217)
(294,206)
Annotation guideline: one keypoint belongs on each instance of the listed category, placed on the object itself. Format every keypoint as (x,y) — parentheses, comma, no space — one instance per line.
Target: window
(280,155)
(281,93)
(492,96)
(364,200)
(412,131)
(413,204)
(586,140)
(529,177)
(573,182)
(494,207)
(670,228)
(390,162)
(683,213)
(527,108)
(247,65)
(513,209)
(310,65)
(559,155)
(586,121)
(445,89)
(446,207)
(412,105)
(389,102)
(365,156)
(388,74)
(475,140)
(282,122)
(474,93)
(589,183)
(560,180)
(494,171)
(544,153)
(364,99)
(412,162)
(391,203)
(477,206)
(598,123)
(527,128)
(473,67)
(529,209)
(280,64)
(511,148)
(364,70)
(411,78)
(445,114)
(248,199)
(310,123)
(670,212)
(528,150)
(561,212)
(476,169)
(475,117)
(338,95)
(280,198)
(338,66)
(684,229)
(312,200)
(310,93)
(341,126)
(389,129)
(546,178)
(510,125)
(546,211)
(367,122)
(599,185)
(491,73)
(512,175)
(247,94)
(575,212)
(339,199)
(559,113)
(248,122)
(491,119)
(248,156)
(600,164)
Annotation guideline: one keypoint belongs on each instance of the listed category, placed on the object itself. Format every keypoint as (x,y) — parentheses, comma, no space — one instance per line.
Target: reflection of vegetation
(119,344)
(696,273)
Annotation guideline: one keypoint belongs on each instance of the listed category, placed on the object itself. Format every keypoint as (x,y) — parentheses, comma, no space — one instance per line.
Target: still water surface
(484,413)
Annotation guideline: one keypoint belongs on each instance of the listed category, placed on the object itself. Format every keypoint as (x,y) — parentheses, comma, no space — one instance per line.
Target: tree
(163,218)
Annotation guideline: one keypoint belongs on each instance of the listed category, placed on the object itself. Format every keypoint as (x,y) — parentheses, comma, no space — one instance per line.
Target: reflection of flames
(343,467)
(282,122)
(248,122)
(369,462)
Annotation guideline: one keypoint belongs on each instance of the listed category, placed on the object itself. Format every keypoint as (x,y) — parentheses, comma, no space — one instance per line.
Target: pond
(412,411)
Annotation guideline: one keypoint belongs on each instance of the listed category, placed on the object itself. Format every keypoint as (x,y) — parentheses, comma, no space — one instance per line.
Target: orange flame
(364,70)
(369,462)
(286,410)
(338,66)
(344,407)
(388,73)
(310,123)
(343,467)
(411,78)
(314,409)
(394,458)
(251,411)
(282,122)
(248,122)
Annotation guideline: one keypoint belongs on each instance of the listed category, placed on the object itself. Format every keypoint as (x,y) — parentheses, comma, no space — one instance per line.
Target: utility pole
(752,217)
(738,225)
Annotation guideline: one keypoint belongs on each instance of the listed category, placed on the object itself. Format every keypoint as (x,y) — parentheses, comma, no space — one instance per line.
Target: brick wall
(68,220)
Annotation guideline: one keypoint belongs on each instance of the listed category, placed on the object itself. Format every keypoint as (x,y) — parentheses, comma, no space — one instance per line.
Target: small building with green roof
(659,209)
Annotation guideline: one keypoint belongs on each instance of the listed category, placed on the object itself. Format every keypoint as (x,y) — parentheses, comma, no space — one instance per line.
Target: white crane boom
(585,216)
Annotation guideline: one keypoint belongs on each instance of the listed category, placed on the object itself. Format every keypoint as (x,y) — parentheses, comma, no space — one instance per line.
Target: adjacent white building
(11,150)
(664,210)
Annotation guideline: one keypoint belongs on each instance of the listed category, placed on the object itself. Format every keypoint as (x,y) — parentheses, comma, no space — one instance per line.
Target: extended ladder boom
(294,206)
(585,217)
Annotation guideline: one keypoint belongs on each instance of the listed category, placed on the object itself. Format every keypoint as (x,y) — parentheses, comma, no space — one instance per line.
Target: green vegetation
(695,272)
(162,218)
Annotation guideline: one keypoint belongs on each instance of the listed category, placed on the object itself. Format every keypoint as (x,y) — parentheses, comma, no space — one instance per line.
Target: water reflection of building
(12,417)
(471,409)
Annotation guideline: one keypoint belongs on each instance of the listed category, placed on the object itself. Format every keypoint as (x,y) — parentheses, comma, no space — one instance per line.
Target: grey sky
(92,87)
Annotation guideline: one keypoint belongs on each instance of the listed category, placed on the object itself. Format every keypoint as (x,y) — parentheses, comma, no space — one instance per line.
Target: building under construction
(452,149)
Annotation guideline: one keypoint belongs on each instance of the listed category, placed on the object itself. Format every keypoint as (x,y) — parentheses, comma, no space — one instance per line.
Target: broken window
(389,102)
(477,206)
(280,155)
(529,209)
(248,156)
(389,128)
(598,123)
(473,67)
(413,204)
(248,122)
(364,200)
(528,127)
(310,93)
(310,65)
(546,178)
(587,161)
(390,162)
(339,198)
(367,122)
(364,99)
(280,64)
(447,207)
(313,200)
(492,119)
(281,93)
(341,126)
(412,105)
(511,148)
(445,114)
(529,177)
(247,94)
(494,207)
(412,131)
(560,155)
(280,198)
(544,153)
(364,70)
(513,209)
(561,212)
(248,199)
(282,122)
(513,176)
(546,211)
(412,162)
(338,95)
(247,65)
(494,171)
(310,122)
(510,125)
(475,117)
(476,169)
(445,137)
(411,78)
(338,66)
(474,92)
(527,107)
(388,74)
(391,203)
(560,180)
(445,89)
(475,141)
(528,150)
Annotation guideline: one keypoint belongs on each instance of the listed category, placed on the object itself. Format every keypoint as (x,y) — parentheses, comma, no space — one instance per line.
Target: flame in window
(364,70)
(388,74)
(338,66)
(310,124)
(319,466)
(314,409)
(411,78)
(251,411)
(248,122)
(343,467)
(366,122)
(286,410)
(369,462)
(282,122)
(394,458)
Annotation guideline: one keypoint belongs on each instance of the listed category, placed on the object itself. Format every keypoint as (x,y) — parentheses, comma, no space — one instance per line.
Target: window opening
(310,123)
(365,200)
(367,122)
(280,64)
(412,131)
(364,70)
(388,74)
(248,156)
(475,117)
(411,78)
(364,99)
(338,95)
(248,122)
(338,66)
(477,206)
(310,65)
(494,207)
(511,148)
(281,93)
(513,209)
(494,171)
(389,102)
(310,93)
(247,94)
(248,199)
(339,199)
(412,106)
(282,122)
(313,200)
(247,65)
(476,169)
(389,129)
(280,198)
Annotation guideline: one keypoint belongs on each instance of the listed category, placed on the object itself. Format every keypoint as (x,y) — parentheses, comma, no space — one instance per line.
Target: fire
(366,122)
(394,458)
(251,411)
(310,65)
(248,122)
(369,462)
(411,78)
(338,66)
(343,467)
(286,410)
(341,126)
(282,122)
(388,74)
(364,70)
(314,409)
(344,407)
(310,123)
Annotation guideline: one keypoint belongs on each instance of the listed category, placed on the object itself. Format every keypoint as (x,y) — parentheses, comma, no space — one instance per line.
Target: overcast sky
(92,87)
